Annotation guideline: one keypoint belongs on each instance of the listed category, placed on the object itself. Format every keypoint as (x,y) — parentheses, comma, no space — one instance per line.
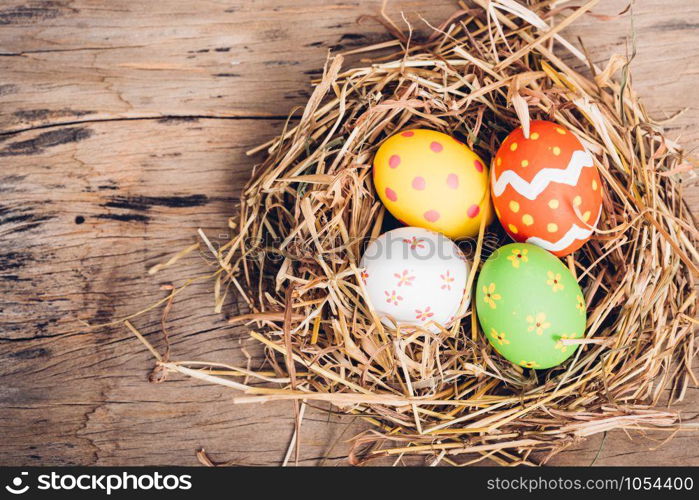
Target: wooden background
(123,127)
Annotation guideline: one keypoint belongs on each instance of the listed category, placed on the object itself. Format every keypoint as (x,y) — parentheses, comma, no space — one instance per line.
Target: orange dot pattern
(560,206)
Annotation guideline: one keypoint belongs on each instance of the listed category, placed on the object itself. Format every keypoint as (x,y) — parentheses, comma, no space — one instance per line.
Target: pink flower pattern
(404,278)
(423,315)
(392,297)
(365,276)
(447,280)
(414,242)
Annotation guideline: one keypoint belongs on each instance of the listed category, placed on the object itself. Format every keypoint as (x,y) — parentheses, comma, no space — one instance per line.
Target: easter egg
(429,179)
(546,189)
(414,277)
(528,303)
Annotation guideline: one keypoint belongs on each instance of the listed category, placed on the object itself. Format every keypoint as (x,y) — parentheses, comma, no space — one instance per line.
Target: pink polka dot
(419,183)
(391,194)
(478,165)
(431,215)
(436,146)
(394,161)
(453,181)
(407,133)
(473,210)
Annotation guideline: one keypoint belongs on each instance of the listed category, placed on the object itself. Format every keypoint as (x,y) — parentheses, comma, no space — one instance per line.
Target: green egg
(527,302)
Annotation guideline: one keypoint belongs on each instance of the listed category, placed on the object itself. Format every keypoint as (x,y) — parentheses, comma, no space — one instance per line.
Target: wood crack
(77,49)
(142,118)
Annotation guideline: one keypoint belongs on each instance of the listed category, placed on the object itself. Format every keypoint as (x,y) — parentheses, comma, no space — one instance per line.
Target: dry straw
(310,208)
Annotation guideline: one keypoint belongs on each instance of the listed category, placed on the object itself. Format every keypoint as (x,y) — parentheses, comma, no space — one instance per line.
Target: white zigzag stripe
(574,233)
(545,176)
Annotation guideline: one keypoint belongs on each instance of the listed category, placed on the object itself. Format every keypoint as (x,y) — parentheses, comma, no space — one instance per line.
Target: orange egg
(546,189)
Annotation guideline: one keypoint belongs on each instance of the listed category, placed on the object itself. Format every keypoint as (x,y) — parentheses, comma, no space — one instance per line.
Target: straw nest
(310,208)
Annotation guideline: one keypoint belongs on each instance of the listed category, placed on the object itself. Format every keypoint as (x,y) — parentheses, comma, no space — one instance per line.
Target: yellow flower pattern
(529,364)
(560,346)
(489,295)
(498,337)
(554,281)
(537,323)
(518,256)
(580,306)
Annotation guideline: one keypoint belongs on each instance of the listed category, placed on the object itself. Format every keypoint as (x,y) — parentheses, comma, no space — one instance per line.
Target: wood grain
(123,130)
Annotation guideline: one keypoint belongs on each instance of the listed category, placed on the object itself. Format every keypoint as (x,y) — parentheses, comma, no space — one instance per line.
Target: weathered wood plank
(231,58)
(220,58)
(665,65)
(86,207)
(78,239)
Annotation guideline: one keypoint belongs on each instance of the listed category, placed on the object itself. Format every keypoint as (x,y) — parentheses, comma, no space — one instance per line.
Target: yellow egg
(429,179)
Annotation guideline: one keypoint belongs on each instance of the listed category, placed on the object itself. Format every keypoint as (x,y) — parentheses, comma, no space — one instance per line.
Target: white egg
(414,277)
